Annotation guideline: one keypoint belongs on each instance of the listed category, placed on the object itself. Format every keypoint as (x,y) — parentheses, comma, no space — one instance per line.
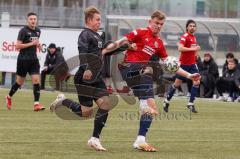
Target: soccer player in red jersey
(143,44)
(188,47)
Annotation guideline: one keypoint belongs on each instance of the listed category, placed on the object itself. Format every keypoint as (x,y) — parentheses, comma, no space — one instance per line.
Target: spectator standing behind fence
(229,82)
(55,65)
(209,74)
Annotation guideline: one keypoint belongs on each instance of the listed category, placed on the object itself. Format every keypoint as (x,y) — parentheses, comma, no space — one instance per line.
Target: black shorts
(27,66)
(89,91)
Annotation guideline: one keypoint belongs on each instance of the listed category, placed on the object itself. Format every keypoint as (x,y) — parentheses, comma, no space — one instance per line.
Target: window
(200,8)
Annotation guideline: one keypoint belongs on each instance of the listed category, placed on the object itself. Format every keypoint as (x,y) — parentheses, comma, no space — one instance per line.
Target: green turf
(214,133)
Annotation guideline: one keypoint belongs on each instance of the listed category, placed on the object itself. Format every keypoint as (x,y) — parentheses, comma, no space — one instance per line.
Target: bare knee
(148,71)
(35,79)
(104,103)
(20,80)
(177,83)
(87,111)
(196,83)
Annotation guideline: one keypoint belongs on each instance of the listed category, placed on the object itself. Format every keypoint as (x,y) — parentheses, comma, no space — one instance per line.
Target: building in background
(69,13)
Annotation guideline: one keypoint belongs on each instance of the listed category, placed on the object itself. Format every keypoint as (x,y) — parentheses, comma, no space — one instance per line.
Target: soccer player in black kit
(88,80)
(27,61)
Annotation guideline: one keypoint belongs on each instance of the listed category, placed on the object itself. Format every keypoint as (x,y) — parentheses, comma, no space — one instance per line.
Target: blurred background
(218,24)
(69,13)
(218,20)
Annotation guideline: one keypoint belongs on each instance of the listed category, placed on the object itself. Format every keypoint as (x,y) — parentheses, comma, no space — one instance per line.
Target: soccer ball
(171,64)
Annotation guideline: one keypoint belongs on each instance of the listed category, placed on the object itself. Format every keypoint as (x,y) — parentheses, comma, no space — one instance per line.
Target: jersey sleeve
(86,58)
(83,42)
(135,34)
(183,39)
(21,35)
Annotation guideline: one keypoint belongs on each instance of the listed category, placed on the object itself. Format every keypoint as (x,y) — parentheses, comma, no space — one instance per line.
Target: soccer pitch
(213,133)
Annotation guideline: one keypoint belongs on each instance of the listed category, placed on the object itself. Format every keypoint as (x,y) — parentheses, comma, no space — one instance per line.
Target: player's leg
(139,78)
(34,71)
(99,122)
(102,100)
(84,107)
(36,92)
(148,107)
(177,83)
(194,90)
(19,82)
(144,125)
(21,74)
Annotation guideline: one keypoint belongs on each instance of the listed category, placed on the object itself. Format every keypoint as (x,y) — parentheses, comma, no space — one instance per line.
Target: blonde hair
(90,11)
(158,14)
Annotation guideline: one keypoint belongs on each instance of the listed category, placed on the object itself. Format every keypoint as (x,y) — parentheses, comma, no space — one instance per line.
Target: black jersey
(90,46)
(27,35)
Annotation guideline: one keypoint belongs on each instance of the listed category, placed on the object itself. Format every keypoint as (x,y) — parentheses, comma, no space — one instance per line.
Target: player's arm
(128,41)
(85,56)
(115,45)
(182,48)
(21,36)
(21,45)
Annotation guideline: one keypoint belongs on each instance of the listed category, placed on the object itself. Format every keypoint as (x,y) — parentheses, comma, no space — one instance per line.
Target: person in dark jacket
(229,82)
(229,57)
(209,74)
(55,65)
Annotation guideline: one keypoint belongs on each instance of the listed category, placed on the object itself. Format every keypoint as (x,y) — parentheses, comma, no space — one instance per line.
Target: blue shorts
(189,68)
(142,85)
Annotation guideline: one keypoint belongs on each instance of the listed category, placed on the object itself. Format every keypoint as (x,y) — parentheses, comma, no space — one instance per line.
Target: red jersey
(147,45)
(188,58)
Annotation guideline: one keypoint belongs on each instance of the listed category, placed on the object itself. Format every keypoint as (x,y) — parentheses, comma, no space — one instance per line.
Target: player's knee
(144,106)
(20,82)
(147,71)
(196,83)
(35,80)
(176,85)
(87,111)
(104,103)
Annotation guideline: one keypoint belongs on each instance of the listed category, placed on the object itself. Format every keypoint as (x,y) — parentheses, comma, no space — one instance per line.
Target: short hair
(189,22)
(158,14)
(31,13)
(235,61)
(229,55)
(90,11)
